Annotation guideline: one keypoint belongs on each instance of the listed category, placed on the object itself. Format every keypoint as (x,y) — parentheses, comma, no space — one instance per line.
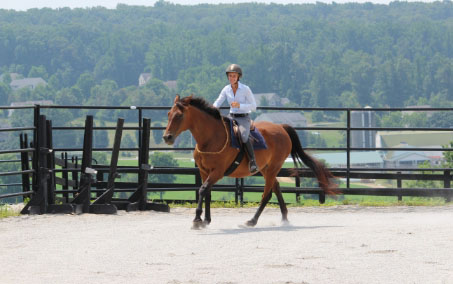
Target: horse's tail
(321,172)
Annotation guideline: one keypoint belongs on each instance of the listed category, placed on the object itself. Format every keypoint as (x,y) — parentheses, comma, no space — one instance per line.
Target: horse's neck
(208,132)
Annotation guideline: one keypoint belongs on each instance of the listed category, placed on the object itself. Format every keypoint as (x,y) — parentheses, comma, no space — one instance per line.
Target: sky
(23,5)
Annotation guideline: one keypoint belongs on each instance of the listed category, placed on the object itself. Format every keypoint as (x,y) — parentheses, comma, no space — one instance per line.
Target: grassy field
(185,160)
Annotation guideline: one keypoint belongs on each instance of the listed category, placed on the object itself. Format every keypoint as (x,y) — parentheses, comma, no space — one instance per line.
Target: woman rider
(242,102)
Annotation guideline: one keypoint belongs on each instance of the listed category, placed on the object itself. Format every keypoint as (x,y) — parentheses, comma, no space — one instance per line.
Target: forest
(315,55)
(321,55)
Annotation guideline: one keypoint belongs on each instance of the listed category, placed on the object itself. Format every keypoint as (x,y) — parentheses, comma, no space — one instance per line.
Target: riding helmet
(234,68)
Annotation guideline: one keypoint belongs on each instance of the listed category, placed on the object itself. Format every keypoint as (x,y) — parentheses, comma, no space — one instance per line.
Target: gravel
(342,244)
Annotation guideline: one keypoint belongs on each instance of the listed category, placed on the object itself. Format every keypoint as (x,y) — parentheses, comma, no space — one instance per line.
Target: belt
(239,114)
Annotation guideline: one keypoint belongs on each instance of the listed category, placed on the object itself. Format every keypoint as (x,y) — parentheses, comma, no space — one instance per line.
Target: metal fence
(35,173)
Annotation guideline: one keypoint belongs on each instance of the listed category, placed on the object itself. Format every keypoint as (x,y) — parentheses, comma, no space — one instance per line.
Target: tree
(85,83)
(5,91)
(127,142)
(160,159)
(157,134)
(38,71)
(101,137)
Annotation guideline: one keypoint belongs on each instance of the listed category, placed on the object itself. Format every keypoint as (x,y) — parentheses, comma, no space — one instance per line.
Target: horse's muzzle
(169,139)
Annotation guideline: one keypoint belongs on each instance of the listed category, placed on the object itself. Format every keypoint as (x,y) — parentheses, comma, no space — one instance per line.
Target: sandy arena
(344,244)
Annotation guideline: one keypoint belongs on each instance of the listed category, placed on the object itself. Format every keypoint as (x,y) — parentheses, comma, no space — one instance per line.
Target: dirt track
(345,244)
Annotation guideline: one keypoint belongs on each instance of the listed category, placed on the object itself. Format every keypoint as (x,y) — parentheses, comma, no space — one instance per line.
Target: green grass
(6,211)
(329,203)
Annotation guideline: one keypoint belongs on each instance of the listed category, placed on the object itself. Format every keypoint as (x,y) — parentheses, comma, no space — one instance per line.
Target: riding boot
(251,154)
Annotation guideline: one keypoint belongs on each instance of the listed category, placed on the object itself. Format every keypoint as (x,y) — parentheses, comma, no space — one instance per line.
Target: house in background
(295,119)
(388,139)
(143,79)
(171,85)
(412,158)
(369,159)
(270,99)
(428,113)
(31,83)
(29,103)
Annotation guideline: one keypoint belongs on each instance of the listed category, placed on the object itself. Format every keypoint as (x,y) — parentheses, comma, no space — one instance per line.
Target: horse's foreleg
(201,195)
(207,212)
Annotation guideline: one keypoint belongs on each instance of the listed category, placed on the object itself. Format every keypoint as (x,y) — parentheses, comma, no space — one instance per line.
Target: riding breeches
(244,127)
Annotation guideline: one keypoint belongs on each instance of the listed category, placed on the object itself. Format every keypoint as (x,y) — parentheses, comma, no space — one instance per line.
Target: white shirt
(244,97)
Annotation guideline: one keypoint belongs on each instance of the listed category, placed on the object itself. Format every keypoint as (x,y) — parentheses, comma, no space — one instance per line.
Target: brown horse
(213,153)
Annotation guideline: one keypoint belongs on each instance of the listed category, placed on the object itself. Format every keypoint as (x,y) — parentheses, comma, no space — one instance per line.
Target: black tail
(299,156)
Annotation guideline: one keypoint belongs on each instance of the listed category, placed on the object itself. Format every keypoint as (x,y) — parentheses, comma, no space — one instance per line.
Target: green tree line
(326,55)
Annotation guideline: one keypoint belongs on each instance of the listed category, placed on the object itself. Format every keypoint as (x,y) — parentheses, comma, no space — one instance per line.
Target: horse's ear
(176,99)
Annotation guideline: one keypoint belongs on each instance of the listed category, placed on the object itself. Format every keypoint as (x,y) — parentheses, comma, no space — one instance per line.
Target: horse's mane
(203,105)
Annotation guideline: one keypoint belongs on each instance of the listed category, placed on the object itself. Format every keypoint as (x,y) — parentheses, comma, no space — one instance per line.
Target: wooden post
(399,185)
(447,184)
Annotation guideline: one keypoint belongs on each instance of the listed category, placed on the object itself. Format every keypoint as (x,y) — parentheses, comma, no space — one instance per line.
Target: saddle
(258,141)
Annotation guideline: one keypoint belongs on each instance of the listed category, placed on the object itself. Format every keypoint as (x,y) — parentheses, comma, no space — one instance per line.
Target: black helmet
(234,68)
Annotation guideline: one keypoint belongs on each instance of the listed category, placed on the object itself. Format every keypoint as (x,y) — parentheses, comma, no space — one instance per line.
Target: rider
(242,102)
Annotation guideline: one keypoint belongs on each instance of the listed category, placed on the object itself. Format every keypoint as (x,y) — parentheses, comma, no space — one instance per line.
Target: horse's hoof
(285,222)
(250,223)
(206,223)
(197,225)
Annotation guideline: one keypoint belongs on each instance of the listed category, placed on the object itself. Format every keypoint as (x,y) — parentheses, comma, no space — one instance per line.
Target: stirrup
(253,168)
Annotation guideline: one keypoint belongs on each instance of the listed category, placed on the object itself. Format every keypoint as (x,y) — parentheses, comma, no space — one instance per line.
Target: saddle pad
(257,138)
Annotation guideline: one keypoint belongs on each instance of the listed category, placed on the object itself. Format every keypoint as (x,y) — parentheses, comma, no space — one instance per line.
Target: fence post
(236,192)
(399,185)
(65,175)
(447,184)
(39,201)
(297,186)
(348,146)
(24,163)
(241,192)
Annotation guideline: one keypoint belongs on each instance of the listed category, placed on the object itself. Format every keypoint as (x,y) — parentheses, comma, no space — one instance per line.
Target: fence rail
(38,174)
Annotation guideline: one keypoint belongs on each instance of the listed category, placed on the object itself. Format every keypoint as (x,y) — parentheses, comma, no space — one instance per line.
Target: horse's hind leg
(281,202)
(264,200)
(267,194)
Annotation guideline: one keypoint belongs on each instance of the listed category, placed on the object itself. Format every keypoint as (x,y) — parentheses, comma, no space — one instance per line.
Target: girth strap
(237,161)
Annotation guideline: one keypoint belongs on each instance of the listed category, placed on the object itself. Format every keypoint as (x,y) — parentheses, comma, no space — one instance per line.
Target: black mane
(203,105)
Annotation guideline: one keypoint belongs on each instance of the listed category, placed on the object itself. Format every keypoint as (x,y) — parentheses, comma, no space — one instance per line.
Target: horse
(214,155)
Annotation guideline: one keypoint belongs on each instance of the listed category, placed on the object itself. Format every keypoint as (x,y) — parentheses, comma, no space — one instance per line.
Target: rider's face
(233,77)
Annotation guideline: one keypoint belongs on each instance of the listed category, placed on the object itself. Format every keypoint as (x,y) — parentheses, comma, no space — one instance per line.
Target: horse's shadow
(244,229)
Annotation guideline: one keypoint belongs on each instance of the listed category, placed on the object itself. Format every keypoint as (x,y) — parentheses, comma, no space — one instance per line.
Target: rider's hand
(235,104)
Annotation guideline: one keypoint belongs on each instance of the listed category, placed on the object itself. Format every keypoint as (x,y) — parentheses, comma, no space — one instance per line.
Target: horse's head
(176,122)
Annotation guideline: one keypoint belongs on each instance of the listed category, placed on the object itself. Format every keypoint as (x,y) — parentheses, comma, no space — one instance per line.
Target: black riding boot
(251,154)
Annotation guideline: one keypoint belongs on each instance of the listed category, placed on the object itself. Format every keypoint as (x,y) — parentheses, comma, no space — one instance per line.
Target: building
(363,138)
(31,83)
(389,139)
(143,79)
(357,159)
(427,107)
(28,103)
(270,99)
(412,158)
(171,85)
(295,119)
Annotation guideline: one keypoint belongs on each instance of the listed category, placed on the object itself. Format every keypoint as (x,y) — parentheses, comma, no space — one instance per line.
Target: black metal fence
(37,151)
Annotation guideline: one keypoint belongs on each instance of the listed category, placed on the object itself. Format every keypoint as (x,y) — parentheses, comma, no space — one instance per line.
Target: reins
(221,150)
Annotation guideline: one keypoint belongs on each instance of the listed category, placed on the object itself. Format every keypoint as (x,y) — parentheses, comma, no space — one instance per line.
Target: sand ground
(343,244)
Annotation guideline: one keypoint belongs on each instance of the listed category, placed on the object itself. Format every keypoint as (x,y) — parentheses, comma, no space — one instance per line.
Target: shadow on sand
(244,229)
